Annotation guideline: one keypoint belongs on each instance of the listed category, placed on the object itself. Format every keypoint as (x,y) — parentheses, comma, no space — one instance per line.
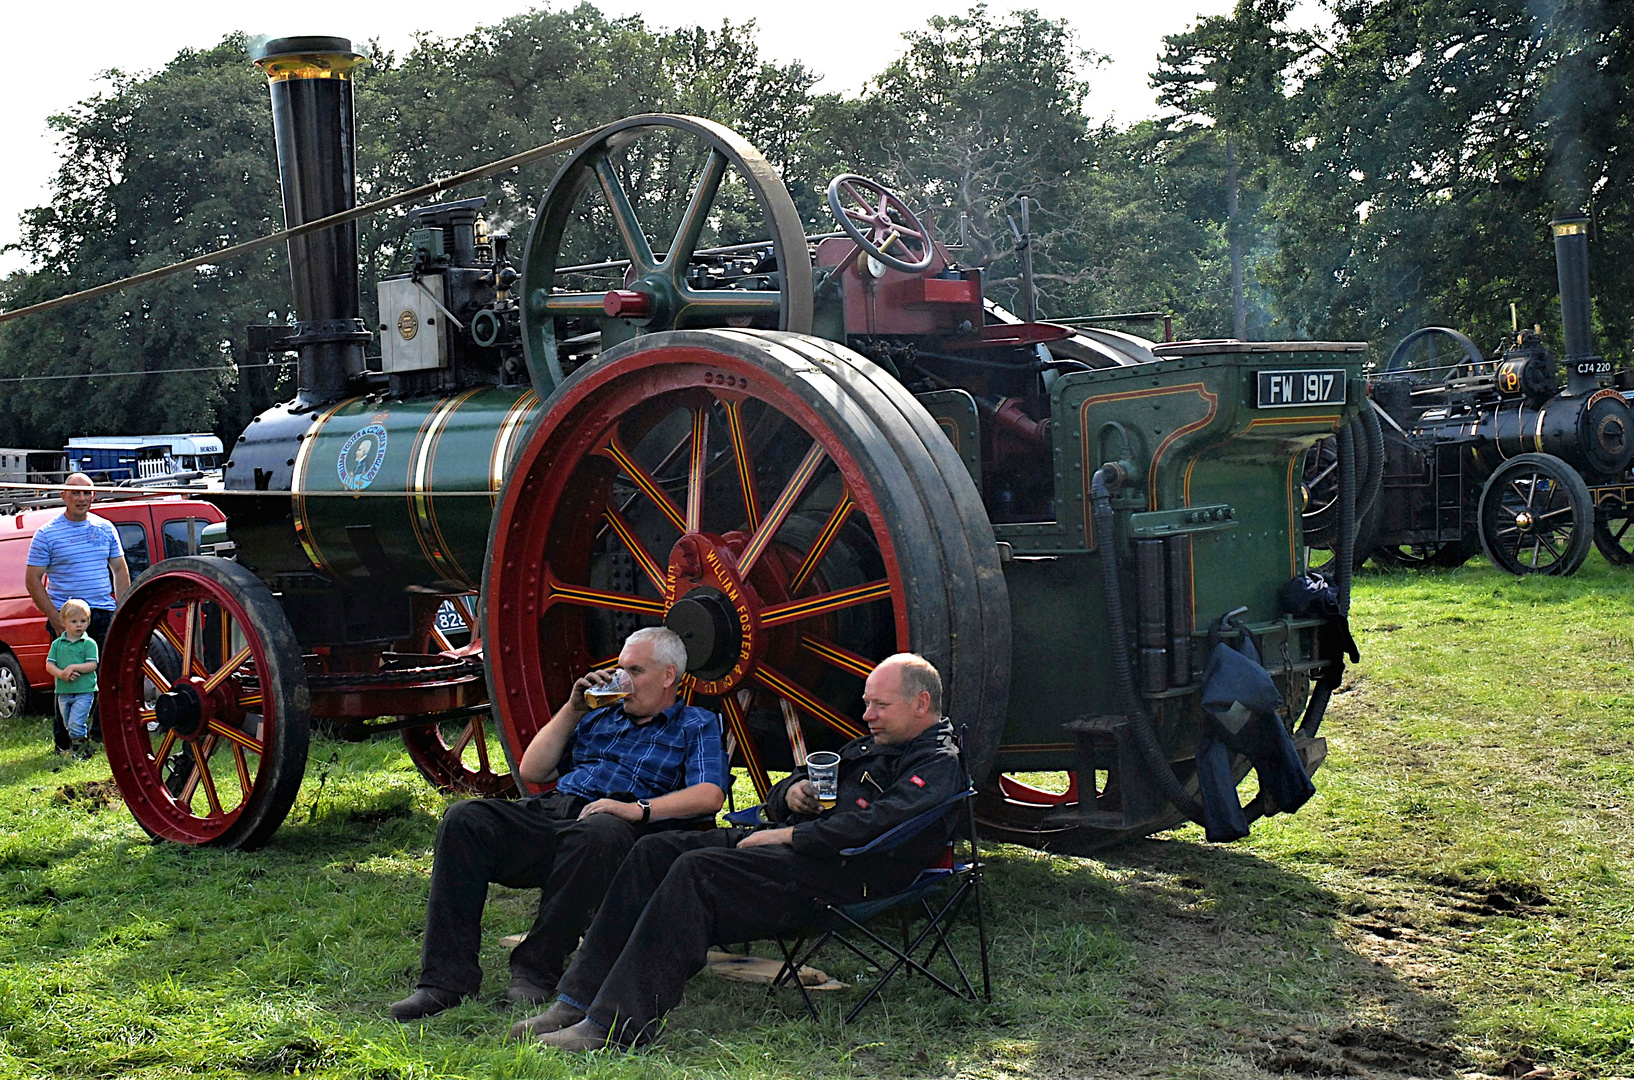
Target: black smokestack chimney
(1583,368)
(311,83)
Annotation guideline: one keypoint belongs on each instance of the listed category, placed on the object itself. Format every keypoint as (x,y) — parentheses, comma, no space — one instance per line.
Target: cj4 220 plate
(1301,387)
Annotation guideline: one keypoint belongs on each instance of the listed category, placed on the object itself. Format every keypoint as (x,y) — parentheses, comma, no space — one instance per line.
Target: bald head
(902,698)
(77,496)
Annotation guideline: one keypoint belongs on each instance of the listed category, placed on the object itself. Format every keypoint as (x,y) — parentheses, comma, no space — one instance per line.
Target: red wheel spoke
(809,606)
(697,213)
(165,746)
(241,767)
(779,683)
(463,741)
(857,195)
(645,481)
(655,573)
(155,676)
(791,728)
(191,787)
(439,640)
(227,669)
(249,702)
(843,659)
(629,226)
(147,715)
(557,592)
(203,765)
(187,637)
(860,216)
(481,736)
(746,467)
(781,509)
(695,471)
(739,728)
(235,736)
(176,643)
(825,540)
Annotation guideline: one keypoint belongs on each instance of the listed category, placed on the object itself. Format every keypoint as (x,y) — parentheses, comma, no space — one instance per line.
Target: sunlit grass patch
(1455,899)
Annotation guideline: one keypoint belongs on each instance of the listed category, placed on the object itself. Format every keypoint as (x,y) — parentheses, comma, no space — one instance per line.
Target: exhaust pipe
(1583,368)
(310,80)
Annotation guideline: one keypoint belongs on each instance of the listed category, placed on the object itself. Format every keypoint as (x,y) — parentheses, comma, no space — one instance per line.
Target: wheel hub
(706,621)
(1524,521)
(181,710)
(719,610)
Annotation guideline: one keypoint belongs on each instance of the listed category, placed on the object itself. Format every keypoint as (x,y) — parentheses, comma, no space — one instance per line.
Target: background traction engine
(801,453)
(1495,455)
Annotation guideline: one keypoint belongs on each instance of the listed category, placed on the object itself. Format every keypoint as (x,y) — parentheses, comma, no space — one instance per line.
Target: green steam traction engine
(801,453)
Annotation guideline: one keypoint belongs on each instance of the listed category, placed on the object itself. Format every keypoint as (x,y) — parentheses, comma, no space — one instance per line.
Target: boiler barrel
(1593,434)
(397,494)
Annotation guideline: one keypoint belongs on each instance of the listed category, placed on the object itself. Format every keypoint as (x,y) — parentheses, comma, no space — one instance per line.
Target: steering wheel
(880,223)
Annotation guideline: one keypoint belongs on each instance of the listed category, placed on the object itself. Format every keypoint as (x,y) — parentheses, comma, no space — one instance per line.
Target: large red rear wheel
(205,708)
(763,495)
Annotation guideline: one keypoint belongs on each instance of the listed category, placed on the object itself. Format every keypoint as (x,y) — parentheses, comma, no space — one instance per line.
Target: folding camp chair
(957,881)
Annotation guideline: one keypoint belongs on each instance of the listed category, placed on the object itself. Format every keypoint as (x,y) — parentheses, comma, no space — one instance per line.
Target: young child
(72,662)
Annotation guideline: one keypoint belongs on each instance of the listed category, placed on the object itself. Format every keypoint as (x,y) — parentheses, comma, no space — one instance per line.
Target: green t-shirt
(64,652)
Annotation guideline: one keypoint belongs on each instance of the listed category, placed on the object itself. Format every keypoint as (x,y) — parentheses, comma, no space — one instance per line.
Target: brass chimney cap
(285,46)
(305,58)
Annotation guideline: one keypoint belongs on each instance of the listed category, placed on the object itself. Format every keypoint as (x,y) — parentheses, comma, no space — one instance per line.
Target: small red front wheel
(205,708)
(462,756)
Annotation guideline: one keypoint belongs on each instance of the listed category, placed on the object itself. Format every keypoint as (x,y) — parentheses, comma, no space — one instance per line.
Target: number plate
(1296,389)
(448,618)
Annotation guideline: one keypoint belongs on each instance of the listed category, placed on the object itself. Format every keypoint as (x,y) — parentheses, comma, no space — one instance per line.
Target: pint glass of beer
(823,769)
(614,689)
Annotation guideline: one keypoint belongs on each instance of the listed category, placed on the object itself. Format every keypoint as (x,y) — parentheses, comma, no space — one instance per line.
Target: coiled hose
(1347,516)
(1345,557)
(1157,762)
(1374,432)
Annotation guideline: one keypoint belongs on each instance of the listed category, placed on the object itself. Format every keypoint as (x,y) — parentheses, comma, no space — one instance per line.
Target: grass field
(1455,900)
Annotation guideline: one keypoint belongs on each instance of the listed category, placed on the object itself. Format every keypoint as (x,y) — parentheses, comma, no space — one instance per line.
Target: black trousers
(529,843)
(101,619)
(675,896)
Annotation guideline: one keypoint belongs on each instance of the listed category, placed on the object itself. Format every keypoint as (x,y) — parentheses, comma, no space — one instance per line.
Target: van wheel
(13,688)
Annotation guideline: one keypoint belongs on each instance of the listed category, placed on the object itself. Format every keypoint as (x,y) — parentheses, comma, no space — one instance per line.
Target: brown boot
(585,1035)
(424,1002)
(558,1016)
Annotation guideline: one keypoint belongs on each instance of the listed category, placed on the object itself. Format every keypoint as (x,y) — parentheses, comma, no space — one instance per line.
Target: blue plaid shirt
(679,747)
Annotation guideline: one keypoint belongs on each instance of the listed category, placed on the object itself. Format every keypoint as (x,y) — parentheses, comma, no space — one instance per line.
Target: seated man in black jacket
(679,893)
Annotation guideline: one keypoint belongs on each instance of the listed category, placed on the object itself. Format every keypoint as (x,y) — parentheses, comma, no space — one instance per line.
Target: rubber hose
(1157,763)
(1347,515)
(1375,458)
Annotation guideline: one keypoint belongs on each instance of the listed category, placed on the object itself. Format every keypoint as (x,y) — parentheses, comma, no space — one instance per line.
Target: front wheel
(209,749)
(1536,516)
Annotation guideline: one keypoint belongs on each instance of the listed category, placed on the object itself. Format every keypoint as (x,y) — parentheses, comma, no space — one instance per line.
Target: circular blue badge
(361,456)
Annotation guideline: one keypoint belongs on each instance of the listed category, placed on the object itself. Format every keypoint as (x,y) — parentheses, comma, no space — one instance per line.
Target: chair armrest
(900,834)
(748,817)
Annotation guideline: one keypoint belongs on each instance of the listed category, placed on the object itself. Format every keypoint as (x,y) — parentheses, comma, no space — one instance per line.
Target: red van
(150,528)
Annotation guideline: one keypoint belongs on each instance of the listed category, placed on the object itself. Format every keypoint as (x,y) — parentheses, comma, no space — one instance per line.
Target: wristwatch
(646,810)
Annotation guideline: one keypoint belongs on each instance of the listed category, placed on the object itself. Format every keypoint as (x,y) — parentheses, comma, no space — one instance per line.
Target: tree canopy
(1394,164)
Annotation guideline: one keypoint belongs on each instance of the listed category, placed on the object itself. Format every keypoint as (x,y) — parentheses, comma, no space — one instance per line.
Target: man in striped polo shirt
(77,555)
